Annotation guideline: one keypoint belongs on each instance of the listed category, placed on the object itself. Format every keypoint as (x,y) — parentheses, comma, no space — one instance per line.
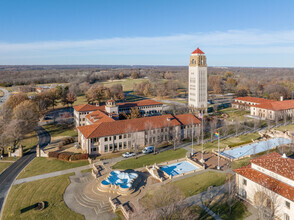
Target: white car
(128,154)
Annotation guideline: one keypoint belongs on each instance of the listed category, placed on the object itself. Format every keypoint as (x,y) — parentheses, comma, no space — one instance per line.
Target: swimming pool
(179,168)
(254,148)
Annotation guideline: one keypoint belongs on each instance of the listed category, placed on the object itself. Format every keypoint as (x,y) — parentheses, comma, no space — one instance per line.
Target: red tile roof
(277,105)
(254,99)
(268,182)
(138,124)
(99,117)
(197,51)
(277,164)
(138,103)
(88,107)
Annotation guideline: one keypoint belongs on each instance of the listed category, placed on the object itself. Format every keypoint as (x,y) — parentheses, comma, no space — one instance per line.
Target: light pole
(218,167)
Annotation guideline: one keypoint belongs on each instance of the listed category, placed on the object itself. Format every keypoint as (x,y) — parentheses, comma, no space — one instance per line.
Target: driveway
(9,175)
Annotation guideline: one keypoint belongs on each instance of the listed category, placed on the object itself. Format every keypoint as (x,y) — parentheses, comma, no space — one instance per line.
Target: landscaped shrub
(68,141)
(53,154)
(64,156)
(79,157)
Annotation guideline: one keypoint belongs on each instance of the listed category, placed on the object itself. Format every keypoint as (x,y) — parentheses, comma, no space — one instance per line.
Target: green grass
(150,159)
(4,165)
(231,142)
(30,140)
(238,212)
(234,114)
(127,84)
(240,163)
(50,190)
(41,165)
(198,183)
(86,170)
(285,128)
(56,130)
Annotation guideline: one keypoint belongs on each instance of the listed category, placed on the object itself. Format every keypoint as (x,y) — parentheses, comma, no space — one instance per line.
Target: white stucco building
(197,97)
(268,184)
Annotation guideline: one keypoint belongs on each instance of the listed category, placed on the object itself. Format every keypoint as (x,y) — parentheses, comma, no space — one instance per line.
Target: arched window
(192,61)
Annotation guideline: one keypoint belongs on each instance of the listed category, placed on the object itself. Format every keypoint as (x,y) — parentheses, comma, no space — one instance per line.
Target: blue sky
(153,32)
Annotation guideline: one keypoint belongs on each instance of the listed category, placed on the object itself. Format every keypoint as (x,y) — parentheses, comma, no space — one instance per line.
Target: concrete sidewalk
(48,175)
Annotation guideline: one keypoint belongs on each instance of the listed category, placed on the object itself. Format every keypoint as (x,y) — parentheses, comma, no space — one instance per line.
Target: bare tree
(166,202)
(237,126)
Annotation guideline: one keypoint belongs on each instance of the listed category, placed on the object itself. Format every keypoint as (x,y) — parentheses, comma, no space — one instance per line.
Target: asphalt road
(9,175)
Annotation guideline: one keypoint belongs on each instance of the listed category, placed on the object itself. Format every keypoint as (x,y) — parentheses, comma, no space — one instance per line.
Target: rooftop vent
(168,119)
(284,155)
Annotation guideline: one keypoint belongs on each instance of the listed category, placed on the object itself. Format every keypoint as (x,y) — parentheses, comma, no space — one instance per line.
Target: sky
(147,32)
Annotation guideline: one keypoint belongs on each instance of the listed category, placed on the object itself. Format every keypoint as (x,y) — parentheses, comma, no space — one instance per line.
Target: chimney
(284,156)
(281,98)
(168,119)
(97,104)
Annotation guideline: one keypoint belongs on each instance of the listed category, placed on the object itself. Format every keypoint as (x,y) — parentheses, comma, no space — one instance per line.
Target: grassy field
(27,194)
(150,159)
(234,114)
(231,142)
(240,163)
(41,165)
(4,165)
(30,140)
(127,84)
(56,130)
(199,183)
(238,212)
(285,128)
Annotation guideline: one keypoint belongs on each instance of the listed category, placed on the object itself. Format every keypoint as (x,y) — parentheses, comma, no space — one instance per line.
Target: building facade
(146,107)
(101,136)
(244,103)
(268,184)
(197,97)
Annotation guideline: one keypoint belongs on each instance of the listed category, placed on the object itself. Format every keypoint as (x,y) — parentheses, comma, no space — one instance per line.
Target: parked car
(148,150)
(128,154)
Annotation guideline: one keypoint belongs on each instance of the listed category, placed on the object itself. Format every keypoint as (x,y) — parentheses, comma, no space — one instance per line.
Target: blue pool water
(255,148)
(122,179)
(178,168)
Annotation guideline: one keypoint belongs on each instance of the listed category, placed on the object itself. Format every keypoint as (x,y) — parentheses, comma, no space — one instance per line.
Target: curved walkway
(9,175)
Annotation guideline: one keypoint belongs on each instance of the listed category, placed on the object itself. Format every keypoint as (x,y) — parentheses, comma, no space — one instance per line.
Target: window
(94,149)
(120,146)
(110,147)
(287,204)
(105,148)
(115,146)
(125,145)
(114,138)
(125,135)
(110,138)
(106,139)
(244,182)
(287,217)
(120,137)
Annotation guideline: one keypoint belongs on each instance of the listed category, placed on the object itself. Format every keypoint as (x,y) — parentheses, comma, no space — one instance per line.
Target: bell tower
(197,97)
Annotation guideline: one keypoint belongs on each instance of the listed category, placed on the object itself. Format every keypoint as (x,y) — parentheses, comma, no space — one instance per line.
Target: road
(5,96)
(9,175)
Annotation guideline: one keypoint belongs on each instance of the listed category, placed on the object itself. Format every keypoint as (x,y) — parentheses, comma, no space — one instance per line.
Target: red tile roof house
(104,135)
(245,102)
(112,108)
(268,184)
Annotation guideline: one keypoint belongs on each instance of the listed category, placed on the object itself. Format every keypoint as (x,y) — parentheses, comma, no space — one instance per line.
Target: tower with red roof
(197,97)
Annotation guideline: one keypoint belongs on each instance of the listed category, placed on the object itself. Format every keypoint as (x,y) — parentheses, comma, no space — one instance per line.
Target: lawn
(50,190)
(30,140)
(4,165)
(199,183)
(239,210)
(41,165)
(56,130)
(231,142)
(127,84)
(240,163)
(234,113)
(150,159)
(286,128)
